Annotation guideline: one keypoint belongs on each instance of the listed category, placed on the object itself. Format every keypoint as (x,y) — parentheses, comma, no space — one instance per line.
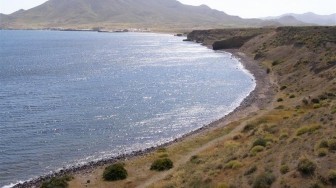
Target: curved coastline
(247,106)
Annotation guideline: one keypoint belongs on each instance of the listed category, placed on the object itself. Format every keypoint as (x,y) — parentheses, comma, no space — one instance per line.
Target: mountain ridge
(124,13)
(309,18)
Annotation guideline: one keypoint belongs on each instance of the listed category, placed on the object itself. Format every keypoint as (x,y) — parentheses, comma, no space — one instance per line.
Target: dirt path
(187,157)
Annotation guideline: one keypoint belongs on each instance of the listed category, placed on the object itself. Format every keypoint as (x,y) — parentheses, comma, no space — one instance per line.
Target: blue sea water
(73,97)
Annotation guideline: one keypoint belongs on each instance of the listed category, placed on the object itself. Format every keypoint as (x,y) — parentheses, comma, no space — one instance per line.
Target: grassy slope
(303,60)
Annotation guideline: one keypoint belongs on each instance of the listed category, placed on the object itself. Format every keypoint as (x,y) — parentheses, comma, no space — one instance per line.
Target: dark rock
(231,43)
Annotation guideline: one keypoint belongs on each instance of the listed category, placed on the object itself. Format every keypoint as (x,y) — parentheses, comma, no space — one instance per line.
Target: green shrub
(283,136)
(283,88)
(284,169)
(316,101)
(323,144)
(248,127)
(233,164)
(115,172)
(264,180)
(316,106)
(280,107)
(57,182)
(163,155)
(323,97)
(260,142)
(306,167)
(332,144)
(161,150)
(332,176)
(162,164)
(257,149)
(321,152)
(195,159)
(333,111)
(251,170)
(279,100)
(276,62)
(292,96)
(307,129)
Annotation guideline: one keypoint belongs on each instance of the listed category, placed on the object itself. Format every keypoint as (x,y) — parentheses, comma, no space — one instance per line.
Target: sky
(242,8)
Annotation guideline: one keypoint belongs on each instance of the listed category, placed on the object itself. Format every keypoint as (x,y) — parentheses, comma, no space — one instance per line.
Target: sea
(69,98)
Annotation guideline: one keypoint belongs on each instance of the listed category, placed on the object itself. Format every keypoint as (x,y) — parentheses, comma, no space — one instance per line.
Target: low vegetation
(57,182)
(115,172)
(307,129)
(162,164)
(284,169)
(306,166)
(233,165)
(264,180)
(332,176)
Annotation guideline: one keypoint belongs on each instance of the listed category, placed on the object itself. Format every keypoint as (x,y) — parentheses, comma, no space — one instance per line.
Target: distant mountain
(310,18)
(290,21)
(124,13)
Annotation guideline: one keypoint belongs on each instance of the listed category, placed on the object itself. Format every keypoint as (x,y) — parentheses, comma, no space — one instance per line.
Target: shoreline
(253,102)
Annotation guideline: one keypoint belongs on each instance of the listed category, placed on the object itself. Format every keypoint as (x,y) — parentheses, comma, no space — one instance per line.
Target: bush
(284,169)
(332,176)
(195,159)
(307,129)
(251,170)
(332,144)
(283,136)
(162,164)
(280,107)
(259,142)
(60,182)
(323,144)
(264,180)
(316,101)
(333,111)
(276,62)
(115,172)
(248,127)
(257,149)
(321,152)
(305,101)
(279,100)
(306,167)
(283,88)
(316,106)
(292,96)
(161,150)
(233,164)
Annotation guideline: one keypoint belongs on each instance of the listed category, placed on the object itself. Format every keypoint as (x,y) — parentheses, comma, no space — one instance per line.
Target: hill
(124,13)
(310,18)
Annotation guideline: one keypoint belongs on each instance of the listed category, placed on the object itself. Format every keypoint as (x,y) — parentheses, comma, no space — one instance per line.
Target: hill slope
(113,13)
(310,18)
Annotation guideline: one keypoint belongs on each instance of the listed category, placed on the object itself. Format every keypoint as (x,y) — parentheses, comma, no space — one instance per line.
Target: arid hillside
(292,142)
